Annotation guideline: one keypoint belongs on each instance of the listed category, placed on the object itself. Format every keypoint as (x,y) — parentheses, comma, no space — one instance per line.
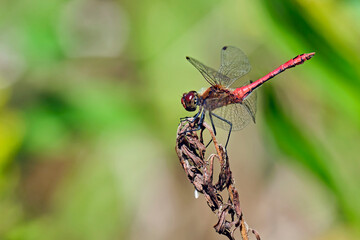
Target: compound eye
(189,97)
(189,101)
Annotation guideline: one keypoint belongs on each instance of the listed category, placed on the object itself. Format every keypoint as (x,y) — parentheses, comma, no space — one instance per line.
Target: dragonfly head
(190,101)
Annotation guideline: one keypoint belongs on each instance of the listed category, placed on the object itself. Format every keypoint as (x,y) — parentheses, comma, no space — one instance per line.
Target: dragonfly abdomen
(246,90)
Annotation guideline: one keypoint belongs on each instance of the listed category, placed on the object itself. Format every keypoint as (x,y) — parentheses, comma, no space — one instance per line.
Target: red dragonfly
(230,109)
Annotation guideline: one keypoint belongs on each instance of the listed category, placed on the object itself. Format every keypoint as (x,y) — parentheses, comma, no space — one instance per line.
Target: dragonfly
(230,108)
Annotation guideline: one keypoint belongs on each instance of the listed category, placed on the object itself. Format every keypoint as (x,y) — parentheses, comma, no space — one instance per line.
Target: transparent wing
(250,104)
(234,64)
(239,114)
(211,75)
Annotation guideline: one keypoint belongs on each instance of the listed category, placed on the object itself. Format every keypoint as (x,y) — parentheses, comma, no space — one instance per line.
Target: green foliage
(338,79)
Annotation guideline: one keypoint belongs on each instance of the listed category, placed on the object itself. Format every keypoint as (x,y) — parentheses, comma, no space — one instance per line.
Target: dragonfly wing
(239,114)
(236,113)
(211,75)
(234,64)
(250,104)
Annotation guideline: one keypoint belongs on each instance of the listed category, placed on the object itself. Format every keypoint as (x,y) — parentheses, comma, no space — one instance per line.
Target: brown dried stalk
(191,152)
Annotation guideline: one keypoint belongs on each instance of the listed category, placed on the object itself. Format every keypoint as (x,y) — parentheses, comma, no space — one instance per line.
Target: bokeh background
(90,102)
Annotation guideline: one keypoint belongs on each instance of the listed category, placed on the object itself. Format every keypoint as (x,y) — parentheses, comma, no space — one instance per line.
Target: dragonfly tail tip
(310,55)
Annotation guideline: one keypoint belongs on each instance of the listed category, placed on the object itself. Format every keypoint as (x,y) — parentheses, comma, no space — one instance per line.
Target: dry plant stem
(191,152)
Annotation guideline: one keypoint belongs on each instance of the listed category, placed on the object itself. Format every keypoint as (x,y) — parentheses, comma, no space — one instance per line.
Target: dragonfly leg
(228,122)
(208,143)
(193,118)
(213,126)
(212,122)
(199,124)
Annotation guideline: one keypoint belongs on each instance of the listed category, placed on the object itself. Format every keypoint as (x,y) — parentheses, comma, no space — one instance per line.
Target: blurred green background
(90,102)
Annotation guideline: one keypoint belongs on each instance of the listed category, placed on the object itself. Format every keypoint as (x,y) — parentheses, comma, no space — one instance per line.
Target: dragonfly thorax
(190,101)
